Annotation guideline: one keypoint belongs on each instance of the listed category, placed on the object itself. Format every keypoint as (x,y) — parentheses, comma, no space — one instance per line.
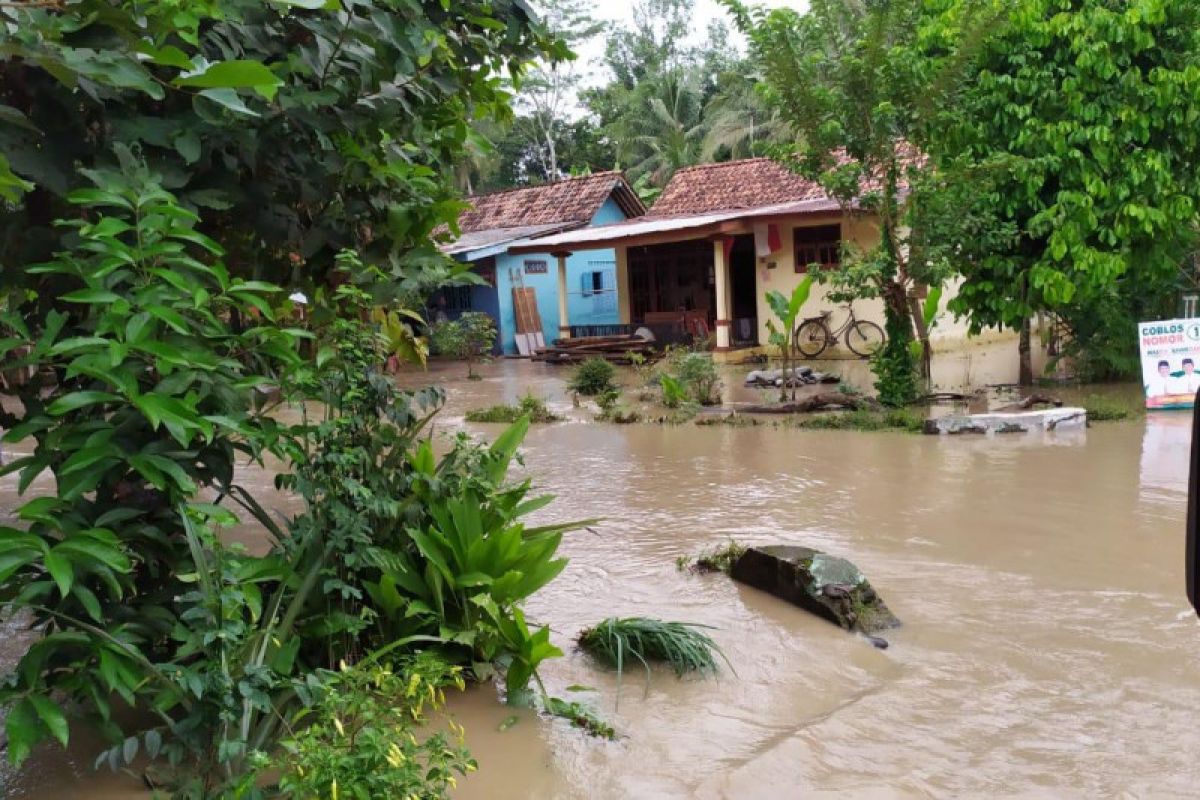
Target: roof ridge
(531,187)
(715,164)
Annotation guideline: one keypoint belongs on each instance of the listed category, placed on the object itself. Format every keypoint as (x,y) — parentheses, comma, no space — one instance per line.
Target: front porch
(685,292)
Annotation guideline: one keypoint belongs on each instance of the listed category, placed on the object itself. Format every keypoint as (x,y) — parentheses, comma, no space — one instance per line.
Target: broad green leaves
(318,125)
(239,74)
(1077,132)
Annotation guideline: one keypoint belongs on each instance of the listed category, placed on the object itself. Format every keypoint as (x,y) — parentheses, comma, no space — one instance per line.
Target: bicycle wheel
(864,339)
(812,338)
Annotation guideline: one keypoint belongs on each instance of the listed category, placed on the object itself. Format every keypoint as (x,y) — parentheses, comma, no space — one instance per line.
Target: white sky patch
(620,14)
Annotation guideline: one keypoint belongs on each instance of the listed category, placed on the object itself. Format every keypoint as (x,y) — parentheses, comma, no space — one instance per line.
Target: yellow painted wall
(949,336)
(860,232)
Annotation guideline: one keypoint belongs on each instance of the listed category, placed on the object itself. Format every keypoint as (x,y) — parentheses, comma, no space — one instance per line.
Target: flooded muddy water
(1047,651)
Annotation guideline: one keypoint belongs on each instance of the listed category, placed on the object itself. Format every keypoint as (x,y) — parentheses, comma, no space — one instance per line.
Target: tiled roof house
(497,221)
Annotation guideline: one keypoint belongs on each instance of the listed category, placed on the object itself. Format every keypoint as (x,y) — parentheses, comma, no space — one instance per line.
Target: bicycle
(862,337)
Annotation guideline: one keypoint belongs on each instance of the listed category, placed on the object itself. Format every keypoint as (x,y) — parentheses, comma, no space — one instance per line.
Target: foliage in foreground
(360,739)
(682,645)
(528,406)
(299,127)
(135,596)
(593,377)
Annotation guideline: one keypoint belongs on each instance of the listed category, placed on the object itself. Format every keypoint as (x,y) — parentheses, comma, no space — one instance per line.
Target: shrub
(129,590)
(698,373)
(133,593)
(360,739)
(468,338)
(593,377)
(674,394)
(528,406)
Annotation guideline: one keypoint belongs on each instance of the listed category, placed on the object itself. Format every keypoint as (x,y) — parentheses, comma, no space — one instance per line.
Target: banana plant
(787,309)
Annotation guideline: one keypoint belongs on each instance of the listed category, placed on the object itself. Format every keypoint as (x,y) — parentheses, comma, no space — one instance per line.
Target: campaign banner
(1170,353)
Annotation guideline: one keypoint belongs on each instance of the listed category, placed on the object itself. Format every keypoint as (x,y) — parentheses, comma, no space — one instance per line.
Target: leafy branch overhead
(298,127)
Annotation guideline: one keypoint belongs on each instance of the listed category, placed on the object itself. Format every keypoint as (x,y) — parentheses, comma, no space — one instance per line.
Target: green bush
(360,738)
(674,394)
(698,373)
(468,338)
(134,594)
(593,377)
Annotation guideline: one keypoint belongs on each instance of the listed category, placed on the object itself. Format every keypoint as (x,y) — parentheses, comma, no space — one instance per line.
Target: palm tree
(671,134)
(738,120)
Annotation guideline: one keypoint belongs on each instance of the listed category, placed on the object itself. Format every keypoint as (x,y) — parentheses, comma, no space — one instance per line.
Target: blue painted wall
(585,305)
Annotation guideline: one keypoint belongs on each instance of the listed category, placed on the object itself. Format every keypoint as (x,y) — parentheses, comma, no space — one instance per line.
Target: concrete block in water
(1008,422)
(825,585)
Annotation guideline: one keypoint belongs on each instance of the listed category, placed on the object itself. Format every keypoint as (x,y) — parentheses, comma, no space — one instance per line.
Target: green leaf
(230,100)
(238,74)
(52,717)
(91,296)
(187,144)
(77,400)
(87,599)
(23,729)
(60,570)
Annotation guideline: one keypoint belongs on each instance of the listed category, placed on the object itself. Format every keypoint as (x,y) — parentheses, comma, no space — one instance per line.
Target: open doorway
(742,289)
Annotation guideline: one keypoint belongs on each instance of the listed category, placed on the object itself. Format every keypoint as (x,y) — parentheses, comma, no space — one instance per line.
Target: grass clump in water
(580,716)
(683,645)
(1105,409)
(613,410)
(716,559)
(528,406)
(734,420)
(900,419)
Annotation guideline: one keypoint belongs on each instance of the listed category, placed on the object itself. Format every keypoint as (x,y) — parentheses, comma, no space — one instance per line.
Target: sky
(620,13)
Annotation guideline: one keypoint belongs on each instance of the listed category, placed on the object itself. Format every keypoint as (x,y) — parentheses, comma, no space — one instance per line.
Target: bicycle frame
(825,317)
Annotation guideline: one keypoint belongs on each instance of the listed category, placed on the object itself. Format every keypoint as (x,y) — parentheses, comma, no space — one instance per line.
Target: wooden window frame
(816,249)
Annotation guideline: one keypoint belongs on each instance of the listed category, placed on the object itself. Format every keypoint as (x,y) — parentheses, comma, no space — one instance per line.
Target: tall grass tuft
(683,645)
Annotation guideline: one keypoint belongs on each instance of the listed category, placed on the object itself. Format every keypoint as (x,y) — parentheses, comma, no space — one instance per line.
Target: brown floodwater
(1048,649)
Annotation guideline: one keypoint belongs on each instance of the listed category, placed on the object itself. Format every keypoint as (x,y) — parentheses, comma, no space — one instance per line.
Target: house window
(536,267)
(818,244)
(593,282)
(458,298)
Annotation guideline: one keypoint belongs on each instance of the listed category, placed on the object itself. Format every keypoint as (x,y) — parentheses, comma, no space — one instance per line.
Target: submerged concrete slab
(825,585)
(1050,419)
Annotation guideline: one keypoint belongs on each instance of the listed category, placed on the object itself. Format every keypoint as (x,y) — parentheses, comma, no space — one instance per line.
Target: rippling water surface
(1048,649)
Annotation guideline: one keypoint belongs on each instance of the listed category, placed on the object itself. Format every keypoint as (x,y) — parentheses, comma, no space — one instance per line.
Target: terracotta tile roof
(749,183)
(571,201)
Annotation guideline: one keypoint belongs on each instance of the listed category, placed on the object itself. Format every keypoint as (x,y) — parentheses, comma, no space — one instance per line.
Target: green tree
(1078,132)
(548,89)
(299,126)
(858,84)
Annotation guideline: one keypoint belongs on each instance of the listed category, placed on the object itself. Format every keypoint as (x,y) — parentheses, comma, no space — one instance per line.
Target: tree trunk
(918,318)
(1025,369)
